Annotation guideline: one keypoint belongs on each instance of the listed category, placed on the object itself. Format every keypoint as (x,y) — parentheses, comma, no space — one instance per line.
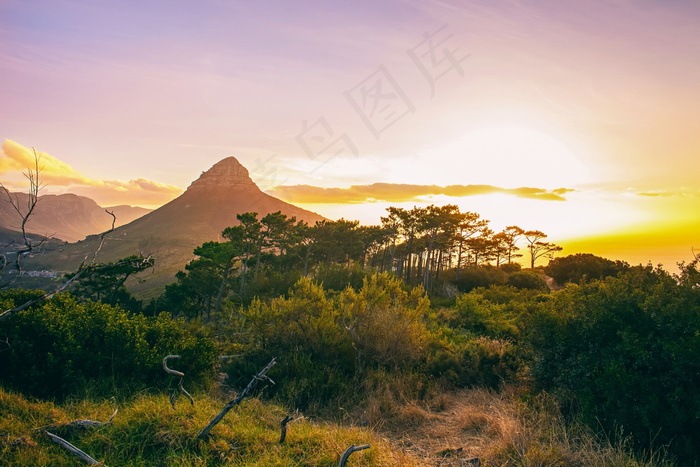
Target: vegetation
(372,325)
(62,348)
(626,349)
(583,266)
(148,431)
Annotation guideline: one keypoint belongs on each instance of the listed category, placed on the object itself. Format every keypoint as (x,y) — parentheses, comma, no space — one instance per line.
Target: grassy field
(148,431)
(445,430)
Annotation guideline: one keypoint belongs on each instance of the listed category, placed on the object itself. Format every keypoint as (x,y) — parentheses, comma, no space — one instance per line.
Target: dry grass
(500,431)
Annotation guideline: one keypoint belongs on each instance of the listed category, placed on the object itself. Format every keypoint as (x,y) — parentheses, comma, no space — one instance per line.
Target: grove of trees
(421,246)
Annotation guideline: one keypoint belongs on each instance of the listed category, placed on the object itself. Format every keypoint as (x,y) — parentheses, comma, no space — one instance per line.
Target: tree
(470,225)
(250,239)
(509,238)
(483,248)
(24,212)
(207,278)
(105,282)
(537,248)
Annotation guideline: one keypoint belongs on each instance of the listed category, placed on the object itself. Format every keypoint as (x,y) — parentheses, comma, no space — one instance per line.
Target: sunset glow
(579,119)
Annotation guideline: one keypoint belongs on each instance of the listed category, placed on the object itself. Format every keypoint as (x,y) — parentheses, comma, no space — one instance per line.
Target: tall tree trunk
(222,288)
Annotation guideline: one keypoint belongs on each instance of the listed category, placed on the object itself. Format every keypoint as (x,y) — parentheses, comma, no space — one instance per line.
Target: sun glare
(512,156)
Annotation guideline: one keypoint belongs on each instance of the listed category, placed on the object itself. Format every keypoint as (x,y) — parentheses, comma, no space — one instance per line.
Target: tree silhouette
(537,248)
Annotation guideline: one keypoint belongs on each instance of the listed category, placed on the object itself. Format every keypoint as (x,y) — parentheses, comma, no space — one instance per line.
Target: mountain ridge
(170,233)
(68,217)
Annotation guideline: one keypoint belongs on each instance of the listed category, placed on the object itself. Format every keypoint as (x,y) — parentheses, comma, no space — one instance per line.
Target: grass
(497,428)
(426,428)
(148,431)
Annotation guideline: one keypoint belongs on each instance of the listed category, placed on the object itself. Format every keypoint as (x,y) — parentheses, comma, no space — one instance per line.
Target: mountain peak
(227,173)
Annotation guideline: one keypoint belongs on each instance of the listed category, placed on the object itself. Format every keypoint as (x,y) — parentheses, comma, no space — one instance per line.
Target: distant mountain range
(171,232)
(66,217)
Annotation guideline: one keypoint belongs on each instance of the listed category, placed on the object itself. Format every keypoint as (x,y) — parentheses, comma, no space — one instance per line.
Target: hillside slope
(171,232)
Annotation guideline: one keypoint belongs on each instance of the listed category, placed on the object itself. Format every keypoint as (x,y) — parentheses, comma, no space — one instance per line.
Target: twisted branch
(349,451)
(179,384)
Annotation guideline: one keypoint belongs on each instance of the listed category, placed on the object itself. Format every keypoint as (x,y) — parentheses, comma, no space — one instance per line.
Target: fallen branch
(69,447)
(92,423)
(349,451)
(253,382)
(179,384)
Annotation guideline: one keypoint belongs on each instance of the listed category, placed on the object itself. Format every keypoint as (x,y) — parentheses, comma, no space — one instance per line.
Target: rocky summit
(227,174)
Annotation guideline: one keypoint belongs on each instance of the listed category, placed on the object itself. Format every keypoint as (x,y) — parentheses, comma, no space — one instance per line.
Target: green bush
(63,347)
(510,268)
(574,268)
(627,349)
(314,352)
(481,276)
(474,313)
(528,280)
(324,345)
(337,277)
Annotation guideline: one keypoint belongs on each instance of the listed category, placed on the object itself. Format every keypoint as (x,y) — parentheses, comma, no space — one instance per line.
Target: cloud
(17,158)
(669,194)
(397,193)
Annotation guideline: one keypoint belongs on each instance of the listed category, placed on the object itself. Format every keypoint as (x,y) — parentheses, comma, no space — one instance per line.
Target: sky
(579,119)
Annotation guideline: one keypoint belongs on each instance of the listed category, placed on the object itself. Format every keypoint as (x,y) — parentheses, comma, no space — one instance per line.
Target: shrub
(386,322)
(528,280)
(627,348)
(323,344)
(472,312)
(62,347)
(510,268)
(481,276)
(301,330)
(574,268)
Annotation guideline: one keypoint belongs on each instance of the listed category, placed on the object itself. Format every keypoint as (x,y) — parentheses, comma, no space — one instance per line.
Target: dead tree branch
(283,427)
(349,451)
(179,384)
(102,239)
(24,213)
(66,445)
(253,382)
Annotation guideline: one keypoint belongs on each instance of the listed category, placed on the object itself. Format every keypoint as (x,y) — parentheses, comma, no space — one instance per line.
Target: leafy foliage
(323,343)
(574,268)
(105,282)
(528,280)
(64,347)
(627,348)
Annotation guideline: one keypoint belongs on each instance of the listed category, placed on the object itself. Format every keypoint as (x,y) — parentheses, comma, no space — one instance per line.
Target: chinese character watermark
(435,59)
(379,101)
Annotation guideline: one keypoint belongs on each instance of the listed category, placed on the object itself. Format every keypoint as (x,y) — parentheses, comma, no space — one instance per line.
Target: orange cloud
(398,193)
(56,173)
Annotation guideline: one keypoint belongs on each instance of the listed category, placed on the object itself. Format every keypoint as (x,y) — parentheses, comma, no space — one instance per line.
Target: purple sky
(161,90)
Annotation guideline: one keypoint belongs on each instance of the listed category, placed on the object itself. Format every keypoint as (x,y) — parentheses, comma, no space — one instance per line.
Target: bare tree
(24,210)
